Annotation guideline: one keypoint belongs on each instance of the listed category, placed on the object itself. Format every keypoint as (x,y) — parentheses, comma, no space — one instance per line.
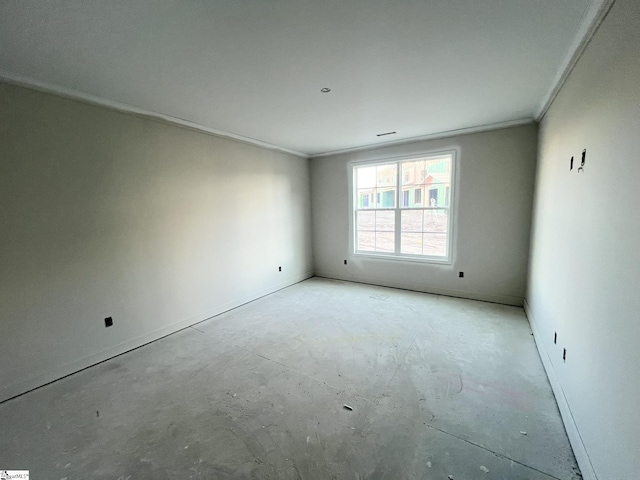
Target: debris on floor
(228,429)
(484,469)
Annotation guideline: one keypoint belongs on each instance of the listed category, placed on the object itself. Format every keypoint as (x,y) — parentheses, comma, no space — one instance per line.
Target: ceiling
(253,69)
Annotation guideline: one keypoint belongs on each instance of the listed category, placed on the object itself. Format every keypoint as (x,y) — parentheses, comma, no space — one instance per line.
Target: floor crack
(499,455)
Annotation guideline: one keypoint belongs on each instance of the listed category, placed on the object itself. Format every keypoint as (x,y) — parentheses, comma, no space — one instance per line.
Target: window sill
(403,258)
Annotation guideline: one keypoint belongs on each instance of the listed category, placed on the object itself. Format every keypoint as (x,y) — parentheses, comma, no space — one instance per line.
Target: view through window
(402,208)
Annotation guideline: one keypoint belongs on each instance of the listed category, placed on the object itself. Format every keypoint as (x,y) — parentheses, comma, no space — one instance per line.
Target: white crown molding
(431,136)
(592,18)
(72,94)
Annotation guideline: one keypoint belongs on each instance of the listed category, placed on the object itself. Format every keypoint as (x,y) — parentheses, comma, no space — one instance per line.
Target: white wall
(106,214)
(495,178)
(585,259)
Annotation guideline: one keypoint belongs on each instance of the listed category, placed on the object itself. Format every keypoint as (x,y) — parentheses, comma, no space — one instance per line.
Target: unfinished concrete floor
(439,386)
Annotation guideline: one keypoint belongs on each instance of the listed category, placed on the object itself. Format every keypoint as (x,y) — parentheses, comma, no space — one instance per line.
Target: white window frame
(397,255)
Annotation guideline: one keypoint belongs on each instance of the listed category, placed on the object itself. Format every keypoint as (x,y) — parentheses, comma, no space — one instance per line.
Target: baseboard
(579,450)
(10,391)
(484,297)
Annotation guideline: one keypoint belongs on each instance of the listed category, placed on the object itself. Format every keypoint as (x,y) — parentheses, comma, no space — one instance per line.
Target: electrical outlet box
(108,322)
(279,269)
(461,274)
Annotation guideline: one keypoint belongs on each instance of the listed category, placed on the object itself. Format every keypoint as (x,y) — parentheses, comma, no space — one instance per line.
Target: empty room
(319,240)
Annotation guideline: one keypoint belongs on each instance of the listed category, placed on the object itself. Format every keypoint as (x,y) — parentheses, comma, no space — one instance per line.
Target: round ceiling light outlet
(325,90)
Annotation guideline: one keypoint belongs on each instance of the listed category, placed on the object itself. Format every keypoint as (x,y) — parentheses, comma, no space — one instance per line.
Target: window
(411,215)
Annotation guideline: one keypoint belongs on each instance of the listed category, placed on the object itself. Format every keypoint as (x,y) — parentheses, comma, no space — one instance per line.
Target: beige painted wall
(494,178)
(585,260)
(106,214)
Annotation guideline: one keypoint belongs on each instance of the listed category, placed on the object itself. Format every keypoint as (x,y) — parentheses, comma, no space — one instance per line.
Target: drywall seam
(76,95)
(579,449)
(484,297)
(432,136)
(10,391)
(591,20)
